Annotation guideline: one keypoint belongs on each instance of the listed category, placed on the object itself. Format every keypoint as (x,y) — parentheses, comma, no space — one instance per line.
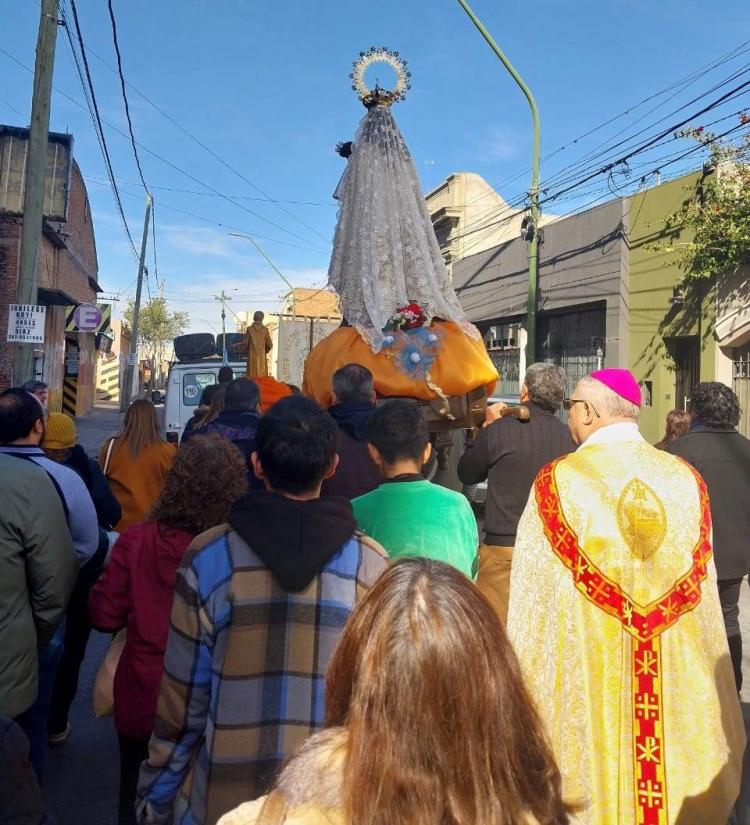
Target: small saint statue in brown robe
(257,345)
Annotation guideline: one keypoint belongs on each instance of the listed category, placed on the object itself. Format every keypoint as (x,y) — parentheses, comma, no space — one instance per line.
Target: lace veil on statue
(385,253)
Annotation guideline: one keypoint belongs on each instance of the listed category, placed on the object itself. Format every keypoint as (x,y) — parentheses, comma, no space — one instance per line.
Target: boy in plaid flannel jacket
(259,606)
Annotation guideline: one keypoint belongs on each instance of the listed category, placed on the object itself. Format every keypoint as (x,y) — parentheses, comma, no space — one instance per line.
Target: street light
(273,266)
(531,232)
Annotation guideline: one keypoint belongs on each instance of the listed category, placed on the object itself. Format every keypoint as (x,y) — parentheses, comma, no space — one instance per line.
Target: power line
(213,154)
(586,159)
(174,166)
(224,194)
(121,76)
(658,165)
(680,84)
(94,111)
(214,222)
(590,162)
(11,106)
(124,93)
(649,143)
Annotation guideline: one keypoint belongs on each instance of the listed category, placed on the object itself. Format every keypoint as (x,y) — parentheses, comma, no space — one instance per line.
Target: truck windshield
(193,384)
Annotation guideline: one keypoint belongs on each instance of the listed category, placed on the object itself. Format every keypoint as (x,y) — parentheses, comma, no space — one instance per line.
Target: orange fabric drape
(462,365)
(271,391)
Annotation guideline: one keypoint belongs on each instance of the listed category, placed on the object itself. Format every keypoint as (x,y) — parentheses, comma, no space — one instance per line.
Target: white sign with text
(26,323)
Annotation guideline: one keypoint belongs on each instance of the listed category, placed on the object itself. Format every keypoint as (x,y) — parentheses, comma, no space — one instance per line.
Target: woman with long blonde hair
(136,462)
(429,722)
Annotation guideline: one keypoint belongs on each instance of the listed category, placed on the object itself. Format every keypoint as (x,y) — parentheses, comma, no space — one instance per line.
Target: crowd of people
(307,630)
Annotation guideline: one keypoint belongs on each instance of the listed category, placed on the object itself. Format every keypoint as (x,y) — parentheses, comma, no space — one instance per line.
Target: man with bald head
(615,617)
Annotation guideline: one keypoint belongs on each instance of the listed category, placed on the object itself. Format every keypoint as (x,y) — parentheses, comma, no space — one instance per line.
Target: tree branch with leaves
(157,328)
(718,215)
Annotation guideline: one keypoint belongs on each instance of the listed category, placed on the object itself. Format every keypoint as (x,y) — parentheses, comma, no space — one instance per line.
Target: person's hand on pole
(493,412)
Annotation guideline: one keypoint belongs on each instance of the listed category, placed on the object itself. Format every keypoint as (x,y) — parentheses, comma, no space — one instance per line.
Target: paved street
(94,428)
(81,778)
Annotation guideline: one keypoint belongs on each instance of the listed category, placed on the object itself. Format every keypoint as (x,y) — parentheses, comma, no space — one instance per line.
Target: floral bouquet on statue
(412,316)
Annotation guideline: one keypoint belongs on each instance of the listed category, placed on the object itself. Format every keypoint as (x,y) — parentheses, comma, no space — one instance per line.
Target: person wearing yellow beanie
(59,432)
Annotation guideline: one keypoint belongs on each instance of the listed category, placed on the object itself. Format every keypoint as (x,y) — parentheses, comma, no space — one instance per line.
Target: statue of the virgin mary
(402,318)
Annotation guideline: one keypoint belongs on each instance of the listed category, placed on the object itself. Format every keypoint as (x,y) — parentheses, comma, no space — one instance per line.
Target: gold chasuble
(615,617)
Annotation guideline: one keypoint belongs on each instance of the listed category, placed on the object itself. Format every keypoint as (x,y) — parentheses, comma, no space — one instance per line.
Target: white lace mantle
(385,253)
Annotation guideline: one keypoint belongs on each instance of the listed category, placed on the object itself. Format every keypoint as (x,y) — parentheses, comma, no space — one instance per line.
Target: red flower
(411,316)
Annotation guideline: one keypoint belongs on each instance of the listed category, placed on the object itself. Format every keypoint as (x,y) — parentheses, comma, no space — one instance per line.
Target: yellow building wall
(654,321)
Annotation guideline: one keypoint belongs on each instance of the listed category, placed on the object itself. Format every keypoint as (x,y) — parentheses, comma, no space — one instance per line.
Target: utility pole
(36,163)
(531,227)
(127,390)
(223,298)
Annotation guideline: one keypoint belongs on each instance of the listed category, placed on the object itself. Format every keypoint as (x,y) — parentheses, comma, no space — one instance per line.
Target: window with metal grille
(503,345)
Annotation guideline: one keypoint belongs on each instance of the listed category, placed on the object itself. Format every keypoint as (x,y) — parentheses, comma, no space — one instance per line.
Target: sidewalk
(93,429)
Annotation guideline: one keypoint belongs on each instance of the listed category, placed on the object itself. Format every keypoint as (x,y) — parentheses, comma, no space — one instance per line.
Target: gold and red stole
(615,617)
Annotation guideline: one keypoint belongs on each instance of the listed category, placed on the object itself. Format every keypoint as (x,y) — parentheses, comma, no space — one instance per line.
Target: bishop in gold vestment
(615,617)
(257,345)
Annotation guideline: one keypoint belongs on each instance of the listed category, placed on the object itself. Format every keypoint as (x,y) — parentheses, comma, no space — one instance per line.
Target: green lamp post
(531,227)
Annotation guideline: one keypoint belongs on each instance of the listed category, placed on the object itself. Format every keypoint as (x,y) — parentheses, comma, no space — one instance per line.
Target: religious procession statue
(402,318)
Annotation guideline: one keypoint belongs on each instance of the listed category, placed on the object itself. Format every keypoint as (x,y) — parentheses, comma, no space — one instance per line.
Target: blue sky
(265,85)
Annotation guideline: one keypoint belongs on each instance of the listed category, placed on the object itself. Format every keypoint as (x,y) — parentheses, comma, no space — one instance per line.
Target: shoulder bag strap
(105,469)
(274,810)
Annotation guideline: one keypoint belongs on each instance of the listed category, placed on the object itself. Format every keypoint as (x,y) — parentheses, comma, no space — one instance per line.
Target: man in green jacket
(39,567)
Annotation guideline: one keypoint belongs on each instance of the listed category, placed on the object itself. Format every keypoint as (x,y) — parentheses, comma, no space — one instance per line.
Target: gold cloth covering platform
(462,365)
(615,617)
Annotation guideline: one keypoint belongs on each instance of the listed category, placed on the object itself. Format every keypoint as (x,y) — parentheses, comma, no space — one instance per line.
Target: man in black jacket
(510,453)
(722,456)
(353,404)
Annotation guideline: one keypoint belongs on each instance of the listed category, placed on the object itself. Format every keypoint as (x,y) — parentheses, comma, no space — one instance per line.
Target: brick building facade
(67,268)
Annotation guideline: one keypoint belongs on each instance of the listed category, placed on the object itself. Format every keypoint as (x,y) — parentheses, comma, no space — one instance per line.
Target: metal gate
(574,341)
(741,385)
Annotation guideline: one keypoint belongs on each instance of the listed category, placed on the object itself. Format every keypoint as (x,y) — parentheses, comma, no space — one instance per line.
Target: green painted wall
(652,318)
